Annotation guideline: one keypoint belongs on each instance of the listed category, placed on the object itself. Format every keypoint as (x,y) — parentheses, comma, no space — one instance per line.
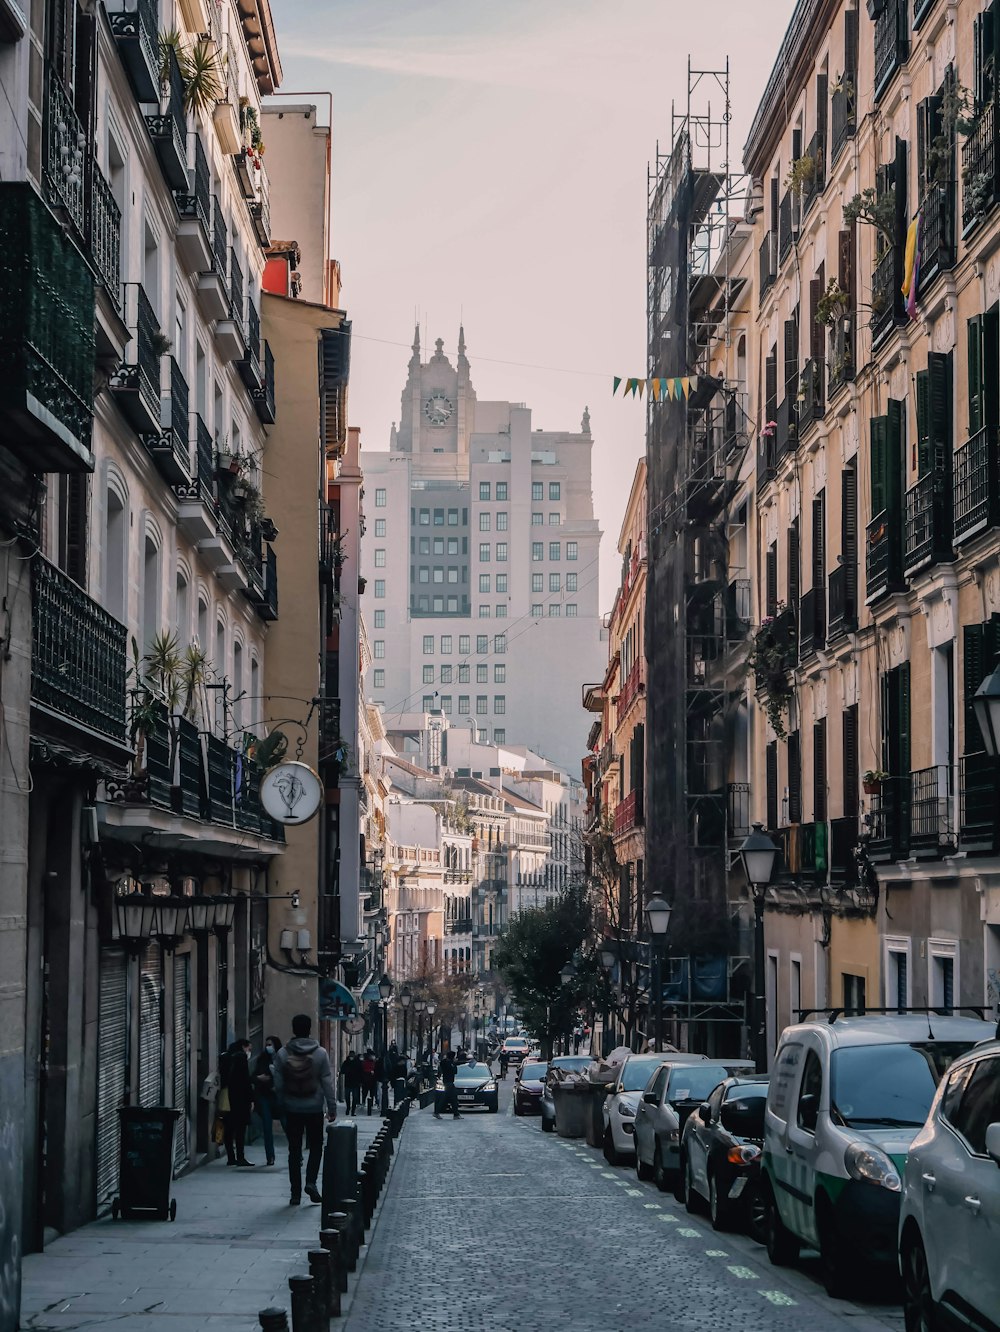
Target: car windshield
(515,1043)
(743,1111)
(533,1072)
(694,1082)
(472,1073)
(635,1074)
(889,1085)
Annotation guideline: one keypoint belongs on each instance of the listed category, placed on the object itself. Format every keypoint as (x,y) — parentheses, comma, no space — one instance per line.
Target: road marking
(744,1273)
(777,1297)
(621,1183)
(666,1216)
(607,1174)
(651,1207)
(716,1253)
(688,1233)
(634,1193)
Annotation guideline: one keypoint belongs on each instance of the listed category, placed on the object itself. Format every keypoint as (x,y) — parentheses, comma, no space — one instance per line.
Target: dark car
(476,1087)
(528,1088)
(575,1064)
(721,1155)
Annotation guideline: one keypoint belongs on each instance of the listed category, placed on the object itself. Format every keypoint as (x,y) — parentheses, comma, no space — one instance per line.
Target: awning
(335,1001)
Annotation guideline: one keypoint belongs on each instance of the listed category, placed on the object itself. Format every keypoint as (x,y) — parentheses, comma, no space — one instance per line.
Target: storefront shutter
(150,1027)
(182,1059)
(112,1049)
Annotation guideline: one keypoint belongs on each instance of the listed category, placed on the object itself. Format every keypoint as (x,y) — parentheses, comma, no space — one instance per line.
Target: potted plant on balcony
(875,210)
(834,304)
(769,660)
(802,173)
(872,781)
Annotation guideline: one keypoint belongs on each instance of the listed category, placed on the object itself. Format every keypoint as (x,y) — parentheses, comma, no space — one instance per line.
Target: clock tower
(437,412)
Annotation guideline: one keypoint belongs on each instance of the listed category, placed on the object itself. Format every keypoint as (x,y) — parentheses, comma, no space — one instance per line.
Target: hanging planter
(362,584)
(872,781)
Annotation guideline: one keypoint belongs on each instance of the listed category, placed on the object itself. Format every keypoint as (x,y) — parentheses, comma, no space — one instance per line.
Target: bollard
(273,1320)
(327,1293)
(340,1164)
(368,1192)
(373,1162)
(333,1242)
(305,1313)
(350,1240)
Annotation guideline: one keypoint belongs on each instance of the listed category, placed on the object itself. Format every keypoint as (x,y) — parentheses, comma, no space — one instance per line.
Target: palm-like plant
(202,78)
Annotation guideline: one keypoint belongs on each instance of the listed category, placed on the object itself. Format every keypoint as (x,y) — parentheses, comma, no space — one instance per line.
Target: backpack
(300,1076)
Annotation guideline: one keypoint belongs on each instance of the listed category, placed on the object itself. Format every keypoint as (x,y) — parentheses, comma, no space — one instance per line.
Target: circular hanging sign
(354,1026)
(291,792)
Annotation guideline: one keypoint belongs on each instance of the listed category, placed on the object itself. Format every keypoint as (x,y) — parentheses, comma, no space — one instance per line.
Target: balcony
(887,295)
(170,448)
(134,25)
(246,174)
(263,396)
(606,757)
(260,216)
(977,485)
(739,610)
(46,338)
(979,794)
(788,224)
(814,186)
(738,811)
(67,155)
(327,542)
(979,168)
(78,657)
(226,113)
(632,687)
(461,925)
(168,129)
(628,814)
(937,232)
(889,821)
(136,386)
(883,572)
(266,600)
(767,265)
(194,232)
(812,620)
(840,353)
(804,851)
(196,494)
(843,841)
(932,824)
(812,387)
(843,121)
(230,331)
(927,526)
(249,367)
(892,42)
(105,236)
(843,600)
(921,8)
(213,284)
(787,438)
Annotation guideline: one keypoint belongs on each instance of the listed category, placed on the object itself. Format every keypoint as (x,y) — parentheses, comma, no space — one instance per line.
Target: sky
(490,165)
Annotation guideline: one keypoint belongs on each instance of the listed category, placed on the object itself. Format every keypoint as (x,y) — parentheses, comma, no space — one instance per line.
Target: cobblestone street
(489,1223)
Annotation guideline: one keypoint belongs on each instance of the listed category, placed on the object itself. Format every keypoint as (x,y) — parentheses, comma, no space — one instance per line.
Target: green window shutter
(771,609)
(974,668)
(902,674)
(894,459)
(794,581)
(977,416)
(771,386)
(819,540)
(792,356)
(819,771)
(940,435)
(879,452)
(923,395)
(849,735)
(794,778)
(771,756)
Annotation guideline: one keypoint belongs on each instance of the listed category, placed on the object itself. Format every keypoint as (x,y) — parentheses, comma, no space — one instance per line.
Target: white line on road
(744,1273)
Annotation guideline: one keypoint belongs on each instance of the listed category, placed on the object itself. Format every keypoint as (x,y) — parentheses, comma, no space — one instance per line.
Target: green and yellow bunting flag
(659,389)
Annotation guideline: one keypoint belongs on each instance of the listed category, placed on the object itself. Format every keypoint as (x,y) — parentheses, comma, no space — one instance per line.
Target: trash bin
(572,1104)
(146,1163)
(596,1093)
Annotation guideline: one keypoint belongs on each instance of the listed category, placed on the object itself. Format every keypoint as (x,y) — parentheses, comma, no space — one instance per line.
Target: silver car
(673,1091)
(621,1105)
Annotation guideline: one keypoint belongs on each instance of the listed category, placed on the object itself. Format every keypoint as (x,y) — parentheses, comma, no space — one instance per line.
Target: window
(423,574)
(453,545)
(854,993)
(555,550)
(484,612)
(482,644)
(500,643)
(482,673)
(452,574)
(380,497)
(502,521)
(463,705)
(897,976)
(555,490)
(481,739)
(484,490)
(380,587)
(537,490)
(943,965)
(379,649)
(499,735)
(438,573)
(425,545)
(428,675)
(536,610)
(439,517)
(571,550)
(537,582)
(501,552)
(809,1093)
(380,619)
(378,679)
(571,611)
(537,551)
(501,492)
(482,702)
(380,527)
(446,675)
(425,517)
(428,703)
(484,552)
(554,519)
(500,673)
(554,582)
(537,519)
(571,582)
(446,704)
(464,673)
(484,522)
(446,643)
(555,610)
(439,545)
(484,582)
(428,644)
(501,582)
(500,704)
(452,517)
(980,1104)
(464,643)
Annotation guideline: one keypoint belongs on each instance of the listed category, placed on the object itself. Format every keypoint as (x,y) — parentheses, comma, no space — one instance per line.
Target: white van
(846,1098)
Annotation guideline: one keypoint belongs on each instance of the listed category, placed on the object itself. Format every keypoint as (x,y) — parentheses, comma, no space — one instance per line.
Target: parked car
(476,1087)
(528,1088)
(516,1048)
(847,1096)
(575,1064)
(949,1232)
(622,1101)
(721,1148)
(673,1092)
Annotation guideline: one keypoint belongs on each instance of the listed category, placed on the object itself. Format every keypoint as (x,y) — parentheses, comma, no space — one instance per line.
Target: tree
(617,920)
(531,955)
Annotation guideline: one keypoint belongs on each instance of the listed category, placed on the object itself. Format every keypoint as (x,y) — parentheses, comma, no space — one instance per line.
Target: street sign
(335,1001)
(354,1026)
(291,792)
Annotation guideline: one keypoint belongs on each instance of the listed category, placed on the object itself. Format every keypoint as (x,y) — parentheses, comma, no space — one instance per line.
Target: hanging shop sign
(336,1002)
(291,792)
(354,1026)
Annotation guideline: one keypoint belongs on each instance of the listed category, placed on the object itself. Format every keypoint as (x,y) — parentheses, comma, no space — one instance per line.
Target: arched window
(239,709)
(183,610)
(255,709)
(203,642)
(150,588)
(116,551)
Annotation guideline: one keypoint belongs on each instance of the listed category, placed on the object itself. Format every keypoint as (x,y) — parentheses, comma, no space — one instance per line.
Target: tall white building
(483,564)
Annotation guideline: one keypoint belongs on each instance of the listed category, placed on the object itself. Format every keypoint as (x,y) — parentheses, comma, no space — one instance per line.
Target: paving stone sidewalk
(235,1243)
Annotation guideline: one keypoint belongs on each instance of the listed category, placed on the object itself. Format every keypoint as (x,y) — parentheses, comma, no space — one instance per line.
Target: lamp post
(431,1010)
(758,854)
(404,1002)
(658,911)
(607,967)
(384,994)
(418,1007)
(136,915)
(566,978)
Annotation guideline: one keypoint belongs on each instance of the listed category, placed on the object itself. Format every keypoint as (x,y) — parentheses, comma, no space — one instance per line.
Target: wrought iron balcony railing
(136,385)
(977,484)
(813,390)
(843,841)
(788,224)
(788,424)
(980,159)
(887,297)
(168,129)
(105,236)
(843,599)
(842,117)
(840,352)
(170,448)
(629,812)
(263,394)
(249,366)
(220,239)
(979,796)
(892,42)
(78,655)
(812,620)
(632,687)
(882,564)
(134,25)
(816,183)
(236,290)
(927,526)
(937,231)
(196,201)
(932,821)
(889,820)
(67,153)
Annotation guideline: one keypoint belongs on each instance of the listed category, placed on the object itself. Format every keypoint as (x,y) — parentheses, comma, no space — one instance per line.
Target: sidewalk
(235,1243)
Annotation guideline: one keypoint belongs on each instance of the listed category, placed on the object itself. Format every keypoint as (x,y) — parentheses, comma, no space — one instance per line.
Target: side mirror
(704,1112)
(808,1112)
(651,1098)
(993,1142)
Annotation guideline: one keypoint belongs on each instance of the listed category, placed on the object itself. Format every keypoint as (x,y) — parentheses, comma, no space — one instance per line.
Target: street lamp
(202,914)
(418,1007)
(404,1002)
(225,910)
(658,911)
(608,960)
(136,918)
(568,974)
(986,706)
(384,994)
(431,1010)
(171,917)
(758,854)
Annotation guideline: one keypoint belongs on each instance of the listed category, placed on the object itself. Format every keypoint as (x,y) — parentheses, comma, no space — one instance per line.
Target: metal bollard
(340,1164)
(321,1271)
(273,1320)
(349,1208)
(368,1193)
(305,1313)
(333,1242)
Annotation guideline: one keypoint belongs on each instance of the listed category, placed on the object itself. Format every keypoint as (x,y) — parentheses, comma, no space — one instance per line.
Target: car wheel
(834,1262)
(517,1110)
(782,1245)
(547,1124)
(718,1208)
(642,1170)
(919,1313)
(755,1219)
(611,1154)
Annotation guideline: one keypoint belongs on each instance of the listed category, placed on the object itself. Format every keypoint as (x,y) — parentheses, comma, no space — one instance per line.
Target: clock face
(438,409)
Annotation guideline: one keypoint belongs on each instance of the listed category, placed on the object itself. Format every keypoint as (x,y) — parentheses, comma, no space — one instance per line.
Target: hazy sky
(490,162)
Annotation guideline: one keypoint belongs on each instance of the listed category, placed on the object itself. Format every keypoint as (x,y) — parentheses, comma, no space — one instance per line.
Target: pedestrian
(504,1061)
(399,1079)
(369,1078)
(353,1071)
(449,1097)
(577,1038)
(264,1100)
(387,1073)
(303,1083)
(235,1102)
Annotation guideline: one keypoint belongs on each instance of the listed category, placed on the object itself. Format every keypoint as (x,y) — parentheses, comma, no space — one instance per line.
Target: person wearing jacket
(369,1078)
(264,1100)
(303,1084)
(235,1102)
(352,1070)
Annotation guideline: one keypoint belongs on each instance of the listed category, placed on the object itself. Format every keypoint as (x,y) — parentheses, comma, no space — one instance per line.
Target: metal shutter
(150,1033)
(182,1059)
(112,1044)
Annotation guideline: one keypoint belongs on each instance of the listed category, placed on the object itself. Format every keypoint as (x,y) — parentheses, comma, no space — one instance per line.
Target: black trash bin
(146,1163)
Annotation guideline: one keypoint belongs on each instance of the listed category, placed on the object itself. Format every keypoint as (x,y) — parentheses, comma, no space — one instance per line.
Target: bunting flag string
(659,389)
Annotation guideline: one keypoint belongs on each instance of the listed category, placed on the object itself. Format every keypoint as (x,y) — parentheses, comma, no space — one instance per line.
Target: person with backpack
(369,1071)
(303,1084)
